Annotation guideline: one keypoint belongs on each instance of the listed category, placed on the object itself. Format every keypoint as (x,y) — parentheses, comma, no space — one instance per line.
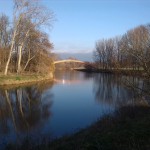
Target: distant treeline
(129,51)
(24,47)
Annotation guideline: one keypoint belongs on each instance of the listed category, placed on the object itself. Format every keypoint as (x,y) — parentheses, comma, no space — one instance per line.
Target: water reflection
(69,77)
(115,90)
(73,101)
(23,109)
(140,86)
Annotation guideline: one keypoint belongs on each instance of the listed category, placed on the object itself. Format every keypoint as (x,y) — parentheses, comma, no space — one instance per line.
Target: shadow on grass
(127,129)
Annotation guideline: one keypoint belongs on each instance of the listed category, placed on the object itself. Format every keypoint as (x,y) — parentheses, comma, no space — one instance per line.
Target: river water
(74,100)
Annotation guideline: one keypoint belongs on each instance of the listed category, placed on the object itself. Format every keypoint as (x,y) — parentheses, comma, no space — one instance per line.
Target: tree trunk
(19,59)
(20,52)
(27,63)
(12,46)
(9,56)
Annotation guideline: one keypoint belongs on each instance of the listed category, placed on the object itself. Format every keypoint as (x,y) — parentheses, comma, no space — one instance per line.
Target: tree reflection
(24,108)
(108,89)
(140,86)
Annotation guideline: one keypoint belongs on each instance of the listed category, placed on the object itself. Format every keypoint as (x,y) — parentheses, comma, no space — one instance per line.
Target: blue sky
(80,23)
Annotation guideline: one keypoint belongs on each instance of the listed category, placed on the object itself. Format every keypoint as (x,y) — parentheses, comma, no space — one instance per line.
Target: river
(74,100)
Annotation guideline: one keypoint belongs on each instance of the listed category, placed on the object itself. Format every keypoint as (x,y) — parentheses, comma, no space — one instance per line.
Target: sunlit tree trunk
(12,46)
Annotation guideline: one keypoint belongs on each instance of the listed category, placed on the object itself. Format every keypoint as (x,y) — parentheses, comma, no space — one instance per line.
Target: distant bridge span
(68,60)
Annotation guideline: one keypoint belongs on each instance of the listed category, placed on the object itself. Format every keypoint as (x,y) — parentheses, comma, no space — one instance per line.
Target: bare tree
(4,31)
(100,53)
(28,14)
(136,46)
(5,34)
(104,53)
(38,52)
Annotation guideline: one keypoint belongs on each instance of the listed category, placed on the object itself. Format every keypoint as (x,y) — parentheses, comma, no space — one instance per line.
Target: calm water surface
(73,101)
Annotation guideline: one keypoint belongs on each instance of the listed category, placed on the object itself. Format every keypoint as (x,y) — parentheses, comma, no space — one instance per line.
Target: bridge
(68,60)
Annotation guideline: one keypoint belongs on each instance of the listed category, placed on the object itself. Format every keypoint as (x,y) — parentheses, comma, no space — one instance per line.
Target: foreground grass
(21,79)
(127,129)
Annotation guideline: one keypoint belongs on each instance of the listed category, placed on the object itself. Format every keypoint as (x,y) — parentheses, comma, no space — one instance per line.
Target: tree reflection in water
(23,109)
(107,89)
(26,112)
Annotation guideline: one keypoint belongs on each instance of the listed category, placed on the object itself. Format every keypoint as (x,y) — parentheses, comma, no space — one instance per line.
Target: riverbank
(127,129)
(13,79)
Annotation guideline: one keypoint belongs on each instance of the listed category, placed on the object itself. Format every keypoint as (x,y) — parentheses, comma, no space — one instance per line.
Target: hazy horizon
(78,55)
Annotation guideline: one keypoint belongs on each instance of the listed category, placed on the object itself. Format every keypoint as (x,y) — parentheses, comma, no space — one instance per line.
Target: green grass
(21,79)
(128,129)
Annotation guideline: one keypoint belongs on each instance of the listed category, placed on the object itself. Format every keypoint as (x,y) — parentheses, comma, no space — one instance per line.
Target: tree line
(130,51)
(24,46)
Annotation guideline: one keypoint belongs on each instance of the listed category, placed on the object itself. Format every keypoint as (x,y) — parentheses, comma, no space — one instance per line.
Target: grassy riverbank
(13,79)
(127,129)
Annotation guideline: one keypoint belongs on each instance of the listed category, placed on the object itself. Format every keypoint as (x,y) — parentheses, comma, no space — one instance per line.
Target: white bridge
(68,60)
